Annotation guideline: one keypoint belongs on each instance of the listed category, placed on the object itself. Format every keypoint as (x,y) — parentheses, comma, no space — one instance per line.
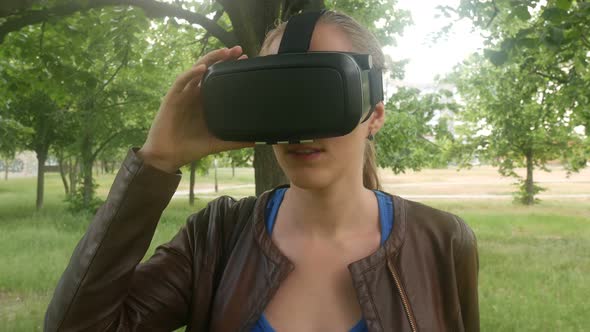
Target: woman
(330,252)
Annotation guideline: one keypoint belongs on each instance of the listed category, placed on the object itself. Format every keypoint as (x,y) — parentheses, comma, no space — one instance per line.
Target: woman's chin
(312,180)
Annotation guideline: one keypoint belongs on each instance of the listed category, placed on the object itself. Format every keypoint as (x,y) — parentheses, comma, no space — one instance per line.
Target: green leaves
(527,43)
(80,83)
(554,14)
(498,58)
(392,20)
(522,12)
(563,4)
(554,36)
(404,142)
(553,44)
(521,112)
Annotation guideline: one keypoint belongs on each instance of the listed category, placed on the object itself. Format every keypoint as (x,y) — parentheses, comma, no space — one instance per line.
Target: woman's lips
(305,153)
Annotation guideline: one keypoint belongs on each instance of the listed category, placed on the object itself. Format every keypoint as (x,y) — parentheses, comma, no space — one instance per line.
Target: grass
(534,261)
(534,264)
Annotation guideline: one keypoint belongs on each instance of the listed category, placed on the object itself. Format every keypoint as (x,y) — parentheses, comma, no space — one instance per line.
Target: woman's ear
(377,119)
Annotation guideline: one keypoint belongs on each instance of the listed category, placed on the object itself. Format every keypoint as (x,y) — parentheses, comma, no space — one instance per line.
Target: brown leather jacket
(221,269)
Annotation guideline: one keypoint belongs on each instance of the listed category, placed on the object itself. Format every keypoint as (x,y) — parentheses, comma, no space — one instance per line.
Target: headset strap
(297,35)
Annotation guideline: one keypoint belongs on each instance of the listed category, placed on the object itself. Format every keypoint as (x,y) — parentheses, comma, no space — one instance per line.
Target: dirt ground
(480,182)
(484,181)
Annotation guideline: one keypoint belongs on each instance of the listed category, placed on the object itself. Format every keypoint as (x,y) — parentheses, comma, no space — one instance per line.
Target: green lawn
(534,261)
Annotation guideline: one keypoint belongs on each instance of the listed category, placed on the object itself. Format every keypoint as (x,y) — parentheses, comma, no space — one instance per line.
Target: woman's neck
(334,211)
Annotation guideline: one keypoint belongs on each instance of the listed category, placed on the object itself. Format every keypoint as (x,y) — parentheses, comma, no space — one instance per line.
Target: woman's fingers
(212,57)
(234,54)
(183,79)
(235,51)
(221,145)
(197,77)
(192,77)
(220,55)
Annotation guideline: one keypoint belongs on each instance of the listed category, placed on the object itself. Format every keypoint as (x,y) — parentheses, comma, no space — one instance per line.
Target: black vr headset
(294,96)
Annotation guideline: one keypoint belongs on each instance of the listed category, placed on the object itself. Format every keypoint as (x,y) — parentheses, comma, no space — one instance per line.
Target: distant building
(23,165)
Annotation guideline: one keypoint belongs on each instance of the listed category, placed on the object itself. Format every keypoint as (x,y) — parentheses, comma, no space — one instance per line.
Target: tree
(406,140)
(238,158)
(240,22)
(514,120)
(41,117)
(64,92)
(43,126)
(109,89)
(199,166)
(549,39)
(542,45)
(12,139)
(27,95)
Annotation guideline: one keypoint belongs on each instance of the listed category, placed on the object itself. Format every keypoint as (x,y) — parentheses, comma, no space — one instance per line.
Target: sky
(428,58)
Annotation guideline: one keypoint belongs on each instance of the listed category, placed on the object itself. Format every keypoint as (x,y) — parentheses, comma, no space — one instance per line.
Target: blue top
(385,220)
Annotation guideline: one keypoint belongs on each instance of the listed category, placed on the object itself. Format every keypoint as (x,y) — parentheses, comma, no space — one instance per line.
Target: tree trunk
(529,184)
(73,175)
(41,158)
(250,20)
(233,170)
(216,187)
(88,191)
(87,163)
(6,163)
(62,173)
(268,174)
(191,190)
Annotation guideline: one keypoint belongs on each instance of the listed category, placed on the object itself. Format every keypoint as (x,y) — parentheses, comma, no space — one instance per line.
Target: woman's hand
(179,134)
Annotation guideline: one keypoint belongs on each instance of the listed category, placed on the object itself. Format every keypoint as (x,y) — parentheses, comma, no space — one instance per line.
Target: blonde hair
(363,41)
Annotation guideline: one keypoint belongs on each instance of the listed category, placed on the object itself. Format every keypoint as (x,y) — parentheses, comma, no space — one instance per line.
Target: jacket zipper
(403,296)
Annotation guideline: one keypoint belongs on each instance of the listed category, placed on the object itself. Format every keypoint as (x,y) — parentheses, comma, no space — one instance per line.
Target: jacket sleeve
(467,269)
(103,288)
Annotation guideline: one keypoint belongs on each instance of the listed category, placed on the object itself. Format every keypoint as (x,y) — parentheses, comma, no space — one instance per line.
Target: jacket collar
(278,266)
(386,251)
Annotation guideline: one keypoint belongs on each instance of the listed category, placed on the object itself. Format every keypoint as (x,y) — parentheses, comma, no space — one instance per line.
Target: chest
(319,295)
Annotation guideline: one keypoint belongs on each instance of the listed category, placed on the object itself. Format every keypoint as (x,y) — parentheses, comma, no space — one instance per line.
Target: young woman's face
(319,164)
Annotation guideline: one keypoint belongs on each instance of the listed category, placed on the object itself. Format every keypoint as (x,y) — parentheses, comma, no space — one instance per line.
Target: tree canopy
(105,64)
(526,99)
(550,39)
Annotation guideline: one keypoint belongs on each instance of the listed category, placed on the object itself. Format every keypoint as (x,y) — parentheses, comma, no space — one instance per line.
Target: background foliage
(526,100)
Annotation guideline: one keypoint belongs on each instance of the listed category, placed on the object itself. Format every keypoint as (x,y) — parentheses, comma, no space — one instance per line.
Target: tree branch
(494,14)
(127,102)
(119,67)
(152,8)
(584,39)
(205,39)
(41,38)
(110,139)
(438,147)
(551,77)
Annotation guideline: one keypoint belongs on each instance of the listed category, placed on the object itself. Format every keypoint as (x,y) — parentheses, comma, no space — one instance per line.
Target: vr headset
(292,97)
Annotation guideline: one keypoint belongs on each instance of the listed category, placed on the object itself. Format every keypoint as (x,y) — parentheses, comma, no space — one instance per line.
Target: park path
(181,193)
(491,196)
(479,182)
(210,192)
